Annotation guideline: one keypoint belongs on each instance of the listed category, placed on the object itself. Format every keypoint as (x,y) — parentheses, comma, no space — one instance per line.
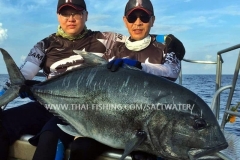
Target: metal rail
(215,105)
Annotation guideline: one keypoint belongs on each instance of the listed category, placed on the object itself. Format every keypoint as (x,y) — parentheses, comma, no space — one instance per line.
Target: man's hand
(174,45)
(116,63)
(25,90)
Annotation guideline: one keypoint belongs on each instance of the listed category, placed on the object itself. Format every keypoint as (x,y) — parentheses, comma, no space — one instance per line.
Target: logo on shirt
(38,56)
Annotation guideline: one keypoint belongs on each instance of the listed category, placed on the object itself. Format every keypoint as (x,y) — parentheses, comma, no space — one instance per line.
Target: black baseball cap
(144,5)
(76,4)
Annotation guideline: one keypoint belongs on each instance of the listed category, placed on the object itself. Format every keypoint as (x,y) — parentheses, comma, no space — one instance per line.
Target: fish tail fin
(15,76)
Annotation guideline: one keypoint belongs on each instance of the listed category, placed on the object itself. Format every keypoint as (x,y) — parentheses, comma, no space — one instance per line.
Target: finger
(109,65)
(118,62)
(114,68)
(22,95)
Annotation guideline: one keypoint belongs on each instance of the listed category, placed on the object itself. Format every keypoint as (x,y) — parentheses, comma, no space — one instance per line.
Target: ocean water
(204,86)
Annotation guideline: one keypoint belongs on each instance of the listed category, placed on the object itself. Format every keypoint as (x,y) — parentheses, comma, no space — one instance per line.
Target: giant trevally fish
(128,109)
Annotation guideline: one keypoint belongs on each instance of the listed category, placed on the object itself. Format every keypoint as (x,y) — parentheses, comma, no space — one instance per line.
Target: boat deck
(23,150)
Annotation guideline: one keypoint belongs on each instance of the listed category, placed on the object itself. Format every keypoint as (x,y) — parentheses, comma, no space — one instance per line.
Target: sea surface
(202,85)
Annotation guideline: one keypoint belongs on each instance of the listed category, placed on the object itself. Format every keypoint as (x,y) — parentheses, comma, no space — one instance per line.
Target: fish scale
(158,128)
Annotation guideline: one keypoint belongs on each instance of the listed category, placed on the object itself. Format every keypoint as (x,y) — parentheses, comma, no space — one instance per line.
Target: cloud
(3,33)
(209,58)
(20,7)
(23,58)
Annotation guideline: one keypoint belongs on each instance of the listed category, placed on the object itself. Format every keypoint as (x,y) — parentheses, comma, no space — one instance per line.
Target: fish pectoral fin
(69,130)
(134,143)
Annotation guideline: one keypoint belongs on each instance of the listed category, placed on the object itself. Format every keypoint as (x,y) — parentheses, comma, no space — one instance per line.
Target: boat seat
(23,150)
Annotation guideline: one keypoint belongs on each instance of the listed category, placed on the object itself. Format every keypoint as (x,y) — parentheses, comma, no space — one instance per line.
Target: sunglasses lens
(143,18)
(132,18)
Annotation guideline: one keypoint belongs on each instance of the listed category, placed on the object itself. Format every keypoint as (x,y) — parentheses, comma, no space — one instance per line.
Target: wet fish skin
(171,133)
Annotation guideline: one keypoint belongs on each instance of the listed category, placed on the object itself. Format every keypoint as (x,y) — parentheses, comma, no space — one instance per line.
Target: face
(138,24)
(72,21)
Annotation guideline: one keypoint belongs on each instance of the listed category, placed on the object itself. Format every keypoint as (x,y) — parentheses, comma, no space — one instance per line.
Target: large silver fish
(128,109)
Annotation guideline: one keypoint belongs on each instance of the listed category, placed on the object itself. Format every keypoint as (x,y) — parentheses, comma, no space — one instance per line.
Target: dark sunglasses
(143,18)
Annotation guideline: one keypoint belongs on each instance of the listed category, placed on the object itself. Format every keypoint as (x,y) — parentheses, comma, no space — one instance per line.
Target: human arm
(30,67)
(174,45)
(169,67)
(34,60)
(173,54)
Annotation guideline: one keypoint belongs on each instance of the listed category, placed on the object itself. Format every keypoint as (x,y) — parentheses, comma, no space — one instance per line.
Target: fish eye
(199,124)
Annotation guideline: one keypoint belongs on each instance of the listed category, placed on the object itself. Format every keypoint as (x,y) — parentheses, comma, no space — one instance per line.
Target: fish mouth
(194,153)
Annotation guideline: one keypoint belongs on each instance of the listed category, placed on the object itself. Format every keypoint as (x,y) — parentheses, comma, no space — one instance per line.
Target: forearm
(169,69)
(31,66)
(163,70)
(29,70)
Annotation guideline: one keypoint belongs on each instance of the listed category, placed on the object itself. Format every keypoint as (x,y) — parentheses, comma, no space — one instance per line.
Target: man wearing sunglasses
(143,51)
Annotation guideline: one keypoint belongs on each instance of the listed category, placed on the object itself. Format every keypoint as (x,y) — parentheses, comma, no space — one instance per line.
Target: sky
(204,27)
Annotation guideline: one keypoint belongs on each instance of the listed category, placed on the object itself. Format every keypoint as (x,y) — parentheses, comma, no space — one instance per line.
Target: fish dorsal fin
(92,59)
(134,143)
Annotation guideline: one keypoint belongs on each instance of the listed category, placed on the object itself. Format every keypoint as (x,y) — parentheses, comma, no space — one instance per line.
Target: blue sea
(202,85)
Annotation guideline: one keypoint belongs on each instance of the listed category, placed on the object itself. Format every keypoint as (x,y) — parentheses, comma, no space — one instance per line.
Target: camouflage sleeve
(31,65)
(33,61)
(170,69)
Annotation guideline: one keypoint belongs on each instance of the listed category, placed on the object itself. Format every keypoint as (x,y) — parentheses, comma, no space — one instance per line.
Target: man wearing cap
(55,55)
(140,50)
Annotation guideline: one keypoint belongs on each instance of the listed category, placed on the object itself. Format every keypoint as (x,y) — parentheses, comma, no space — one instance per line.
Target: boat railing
(215,105)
